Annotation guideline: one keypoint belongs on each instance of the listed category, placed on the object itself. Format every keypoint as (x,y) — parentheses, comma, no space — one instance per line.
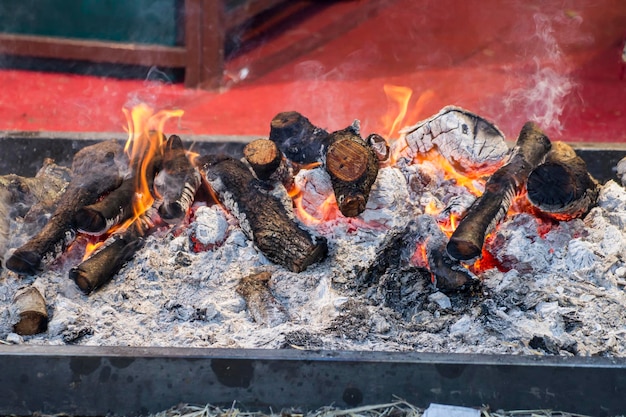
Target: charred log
(99,268)
(297,138)
(421,243)
(262,217)
(262,305)
(114,208)
(353,167)
(489,209)
(177,182)
(263,156)
(561,187)
(95,171)
(30,307)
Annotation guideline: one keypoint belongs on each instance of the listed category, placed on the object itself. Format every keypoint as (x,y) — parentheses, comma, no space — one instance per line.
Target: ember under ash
(380,280)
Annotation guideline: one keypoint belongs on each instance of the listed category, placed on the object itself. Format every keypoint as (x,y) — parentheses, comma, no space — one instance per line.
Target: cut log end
(90,221)
(347,160)
(33,315)
(465,248)
(24,262)
(82,280)
(562,187)
(263,156)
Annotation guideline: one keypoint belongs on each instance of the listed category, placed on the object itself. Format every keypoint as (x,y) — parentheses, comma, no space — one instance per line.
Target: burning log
(353,167)
(114,208)
(420,243)
(379,146)
(297,138)
(263,156)
(561,187)
(177,182)
(469,142)
(95,171)
(467,240)
(99,268)
(262,305)
(262,217)
(30,307)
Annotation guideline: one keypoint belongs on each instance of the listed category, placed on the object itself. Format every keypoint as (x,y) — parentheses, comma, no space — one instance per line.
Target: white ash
(464,139)
(563,293)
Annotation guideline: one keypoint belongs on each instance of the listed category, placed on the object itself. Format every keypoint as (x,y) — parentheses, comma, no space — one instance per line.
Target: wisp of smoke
(543,99)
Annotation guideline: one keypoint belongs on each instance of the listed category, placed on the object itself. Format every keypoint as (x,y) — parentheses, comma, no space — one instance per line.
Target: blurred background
(232,65)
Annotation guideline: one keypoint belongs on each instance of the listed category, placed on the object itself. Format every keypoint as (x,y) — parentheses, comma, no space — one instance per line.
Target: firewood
(263,218)
(177,182)
(398,251)
(30,307)
(490,208)
(101,266)
(353,167)
(561,187)
(262,305)
(297,138)
(95,171)
(114,208)
(263,156)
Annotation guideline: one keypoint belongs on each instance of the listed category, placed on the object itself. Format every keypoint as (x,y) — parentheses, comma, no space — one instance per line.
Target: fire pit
(544,293)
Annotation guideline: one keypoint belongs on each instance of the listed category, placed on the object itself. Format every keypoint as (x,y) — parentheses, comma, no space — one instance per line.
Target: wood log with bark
(263,307)
(30,309)
(112,209)
(177,181)
(561,187)
(297,138)
(466,243)
(263,218)
(353,167)
(106,261)
(96,170)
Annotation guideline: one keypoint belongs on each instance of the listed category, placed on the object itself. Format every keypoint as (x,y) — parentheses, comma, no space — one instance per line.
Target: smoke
(543,98)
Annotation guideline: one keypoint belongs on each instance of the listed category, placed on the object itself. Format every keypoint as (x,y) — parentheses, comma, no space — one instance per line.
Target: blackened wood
(561,187)
(262,217)
(397,253)
(263,156)
(112,209)
(30,307)
(297,138)
(101,266)
(353,167)
(95,171)
(177,182)
(262,305)
(467,241)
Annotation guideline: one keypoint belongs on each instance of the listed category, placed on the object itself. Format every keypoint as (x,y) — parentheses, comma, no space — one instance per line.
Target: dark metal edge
(81,380)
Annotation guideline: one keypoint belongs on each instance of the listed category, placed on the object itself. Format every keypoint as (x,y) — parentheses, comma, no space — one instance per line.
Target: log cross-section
(353,167)
(466,243)
(561,187)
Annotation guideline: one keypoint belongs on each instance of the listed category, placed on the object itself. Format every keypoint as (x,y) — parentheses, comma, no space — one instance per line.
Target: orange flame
(145,142)
(396,116)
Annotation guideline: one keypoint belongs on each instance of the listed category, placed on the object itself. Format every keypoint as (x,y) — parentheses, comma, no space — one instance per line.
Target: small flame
(473,183)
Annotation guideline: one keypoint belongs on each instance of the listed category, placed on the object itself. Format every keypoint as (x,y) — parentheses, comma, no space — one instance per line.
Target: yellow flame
(144,143)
